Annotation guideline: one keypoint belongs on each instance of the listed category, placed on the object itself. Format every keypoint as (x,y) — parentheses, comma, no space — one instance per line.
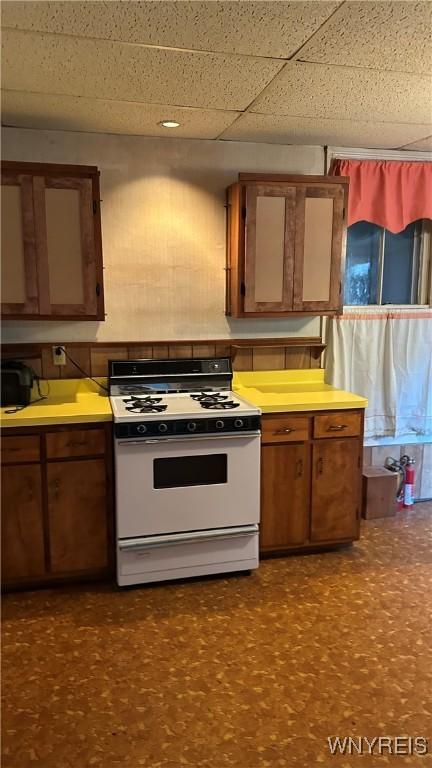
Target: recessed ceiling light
(170,124)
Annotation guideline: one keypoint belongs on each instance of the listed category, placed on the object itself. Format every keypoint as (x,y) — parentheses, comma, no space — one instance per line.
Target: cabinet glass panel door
(18,254)
(65,241)
(318,248)
(269,248)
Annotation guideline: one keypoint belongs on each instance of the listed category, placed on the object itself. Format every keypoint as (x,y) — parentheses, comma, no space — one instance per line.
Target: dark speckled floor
(241,672)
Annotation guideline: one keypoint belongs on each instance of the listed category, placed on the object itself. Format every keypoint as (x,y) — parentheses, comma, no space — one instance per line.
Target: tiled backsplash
(93,358)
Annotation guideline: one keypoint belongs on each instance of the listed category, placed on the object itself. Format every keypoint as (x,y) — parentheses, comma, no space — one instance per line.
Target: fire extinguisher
(405,491)
(409,481)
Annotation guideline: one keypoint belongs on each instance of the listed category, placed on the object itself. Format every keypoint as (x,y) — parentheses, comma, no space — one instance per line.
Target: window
(387,268)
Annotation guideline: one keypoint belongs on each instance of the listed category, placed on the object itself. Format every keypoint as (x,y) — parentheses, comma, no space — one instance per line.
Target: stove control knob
(219,424)
(163,428)
(141,428)
(238,423)
(192,426)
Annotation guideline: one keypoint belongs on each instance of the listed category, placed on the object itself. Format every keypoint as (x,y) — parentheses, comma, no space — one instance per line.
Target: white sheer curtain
(385,356)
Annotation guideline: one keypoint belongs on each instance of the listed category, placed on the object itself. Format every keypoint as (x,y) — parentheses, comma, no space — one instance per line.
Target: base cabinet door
(284,496)
(335,490)
(77,514)
(23,554)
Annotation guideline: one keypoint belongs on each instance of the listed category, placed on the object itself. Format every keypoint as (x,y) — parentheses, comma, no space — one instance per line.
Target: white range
(187,467)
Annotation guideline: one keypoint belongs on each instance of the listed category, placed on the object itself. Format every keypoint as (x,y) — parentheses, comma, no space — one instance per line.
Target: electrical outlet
(58,356)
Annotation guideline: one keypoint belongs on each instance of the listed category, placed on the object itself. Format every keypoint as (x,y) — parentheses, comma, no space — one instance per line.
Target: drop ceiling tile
(383,35)
(276,129)
(38,63)
(423,144)
(70,113)
(272,28)
(316,90)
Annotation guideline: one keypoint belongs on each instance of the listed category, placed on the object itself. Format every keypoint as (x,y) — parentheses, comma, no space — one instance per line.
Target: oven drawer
(282,429)
(196,553)
(338,424)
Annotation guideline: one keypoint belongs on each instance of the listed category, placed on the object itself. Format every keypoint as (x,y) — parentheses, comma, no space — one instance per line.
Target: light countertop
(297,390)
(68,401)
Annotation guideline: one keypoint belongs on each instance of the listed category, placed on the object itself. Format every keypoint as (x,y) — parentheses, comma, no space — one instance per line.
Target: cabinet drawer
(75,442)
(20,448)
(278,429)
(338,424)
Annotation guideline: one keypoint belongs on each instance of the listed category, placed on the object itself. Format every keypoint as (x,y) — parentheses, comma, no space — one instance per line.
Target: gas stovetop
(194,405)
(177,401)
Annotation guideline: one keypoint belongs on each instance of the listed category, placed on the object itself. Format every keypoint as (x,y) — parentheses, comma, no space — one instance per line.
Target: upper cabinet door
(286,241)
(51,242)
(65,246)
(319,248)
(269,247)
(18,246)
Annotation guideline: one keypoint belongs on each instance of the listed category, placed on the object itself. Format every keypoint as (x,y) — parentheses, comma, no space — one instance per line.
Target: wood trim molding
(265,177)
(283,341)
(51,169)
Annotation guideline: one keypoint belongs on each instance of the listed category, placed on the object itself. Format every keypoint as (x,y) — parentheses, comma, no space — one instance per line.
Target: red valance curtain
(389,193)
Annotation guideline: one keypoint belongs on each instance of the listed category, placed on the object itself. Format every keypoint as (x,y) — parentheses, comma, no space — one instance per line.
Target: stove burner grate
(217,405)
(144,404)
(209,397)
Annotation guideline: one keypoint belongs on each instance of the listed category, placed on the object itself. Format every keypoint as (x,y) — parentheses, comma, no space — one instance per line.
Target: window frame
(424,296)
(421,273)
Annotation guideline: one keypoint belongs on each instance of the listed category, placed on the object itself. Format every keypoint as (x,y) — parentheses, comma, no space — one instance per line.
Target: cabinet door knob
(336,427)
(284,431)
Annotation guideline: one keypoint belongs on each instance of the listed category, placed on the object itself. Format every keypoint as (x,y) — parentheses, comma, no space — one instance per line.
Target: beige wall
(163,229)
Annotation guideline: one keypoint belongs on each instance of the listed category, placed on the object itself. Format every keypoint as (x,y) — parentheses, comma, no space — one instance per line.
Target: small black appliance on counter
(16,383)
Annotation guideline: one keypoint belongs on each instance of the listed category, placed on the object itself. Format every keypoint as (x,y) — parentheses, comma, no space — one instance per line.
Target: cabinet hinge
(243,212)
(94,207)
(242,289)
(343,213)
(359,462)
(98,289)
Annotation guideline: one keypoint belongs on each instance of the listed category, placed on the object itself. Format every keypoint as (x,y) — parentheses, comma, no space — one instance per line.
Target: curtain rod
(359,153)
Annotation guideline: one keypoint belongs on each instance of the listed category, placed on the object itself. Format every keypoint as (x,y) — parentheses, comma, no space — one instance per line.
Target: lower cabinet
(77,515)
(285,496)
(335,502)
(57,505)
(22,549)
(310,480)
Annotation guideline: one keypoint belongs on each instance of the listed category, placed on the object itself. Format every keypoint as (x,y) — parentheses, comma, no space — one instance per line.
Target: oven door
(186,484)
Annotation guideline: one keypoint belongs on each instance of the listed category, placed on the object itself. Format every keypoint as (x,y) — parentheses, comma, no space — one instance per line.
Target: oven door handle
(190,537)
(164,440)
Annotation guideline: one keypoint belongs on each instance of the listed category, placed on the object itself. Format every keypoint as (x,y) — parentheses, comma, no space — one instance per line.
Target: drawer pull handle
(336,427)
(284,431)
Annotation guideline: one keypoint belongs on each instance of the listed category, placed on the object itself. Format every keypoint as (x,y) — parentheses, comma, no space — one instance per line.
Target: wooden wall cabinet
(310,480)
(286,245)
(51,242)
(57,510)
